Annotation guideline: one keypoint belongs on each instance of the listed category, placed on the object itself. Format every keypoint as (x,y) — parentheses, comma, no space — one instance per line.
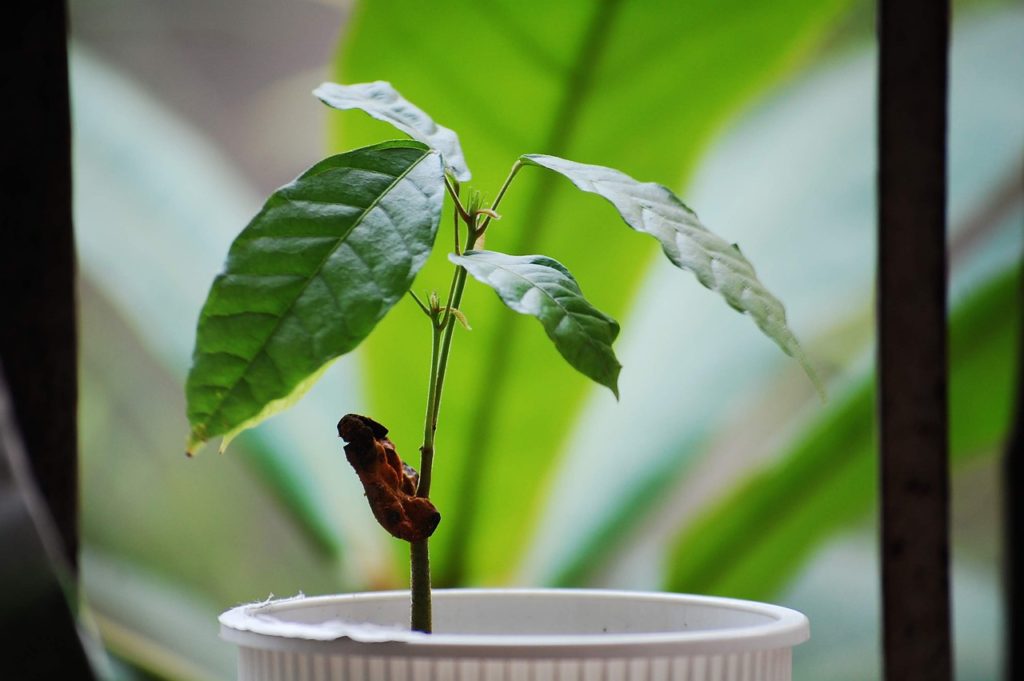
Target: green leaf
(653,209)
(541,287)
(383,102)
(749,542)
(555,79)
(308,279)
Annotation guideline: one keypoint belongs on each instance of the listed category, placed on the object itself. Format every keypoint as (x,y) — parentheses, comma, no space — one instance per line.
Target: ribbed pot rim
(279,625)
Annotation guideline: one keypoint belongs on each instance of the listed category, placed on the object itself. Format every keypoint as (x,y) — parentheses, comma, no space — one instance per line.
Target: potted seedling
(307,281)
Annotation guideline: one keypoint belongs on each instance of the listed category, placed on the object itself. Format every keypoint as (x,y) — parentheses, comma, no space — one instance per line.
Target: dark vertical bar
(37,269)
(913,425)
(38,351)
(1013,512)
(37,261)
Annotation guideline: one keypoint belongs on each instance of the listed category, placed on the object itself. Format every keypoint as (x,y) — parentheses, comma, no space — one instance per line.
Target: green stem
(442,328)
(449,328)
(453,191)
(446,314)
(430,420)
(458,246)
(501,193)
(458,251)
(439,367)
(419,552)
(419,302)
(419,558)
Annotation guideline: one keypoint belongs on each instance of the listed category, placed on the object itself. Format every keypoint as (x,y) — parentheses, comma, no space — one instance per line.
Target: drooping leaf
(653,209)
(383,102)
(541,287)
(749,542)
(308,279)
(555,79)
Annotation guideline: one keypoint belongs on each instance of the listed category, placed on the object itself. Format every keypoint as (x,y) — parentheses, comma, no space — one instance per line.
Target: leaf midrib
(492,387)
(337,244)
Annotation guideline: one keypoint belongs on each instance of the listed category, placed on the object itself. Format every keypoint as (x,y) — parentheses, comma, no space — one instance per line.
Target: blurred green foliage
(637,86)
(750,541)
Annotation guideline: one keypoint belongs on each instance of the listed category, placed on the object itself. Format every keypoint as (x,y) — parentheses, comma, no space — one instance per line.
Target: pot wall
(271,665)
(509,635)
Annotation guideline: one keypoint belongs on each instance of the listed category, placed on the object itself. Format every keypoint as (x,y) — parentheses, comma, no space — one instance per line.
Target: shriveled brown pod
(389,483)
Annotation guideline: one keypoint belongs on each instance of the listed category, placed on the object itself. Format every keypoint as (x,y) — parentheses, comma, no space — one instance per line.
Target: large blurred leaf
(541,287)
(728,403)
(159,625)
(208,522)
(150,237)
(639,86)
(748,543)
(308,279)
(652,208)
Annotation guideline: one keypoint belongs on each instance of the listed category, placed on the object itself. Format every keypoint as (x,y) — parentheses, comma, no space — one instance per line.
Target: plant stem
(449,327)
(442,328)
(419,558)
(430,420)
(419,552)
(458,246)
(453,191)
(501,193)
(419,302)
(458,251)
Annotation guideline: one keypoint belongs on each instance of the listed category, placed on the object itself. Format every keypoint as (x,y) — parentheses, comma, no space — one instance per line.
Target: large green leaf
(750,541)
(308,279)
(653,209)
(383,102)
(541,287)
(815,211)
(636,85)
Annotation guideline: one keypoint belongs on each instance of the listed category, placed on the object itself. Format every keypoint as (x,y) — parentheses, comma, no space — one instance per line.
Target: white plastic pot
(515,635)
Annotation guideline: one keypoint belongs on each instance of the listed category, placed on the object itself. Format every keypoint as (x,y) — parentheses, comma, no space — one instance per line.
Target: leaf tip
(194,442)
(613,381)
(819,386)
(811,372)
(323,91)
